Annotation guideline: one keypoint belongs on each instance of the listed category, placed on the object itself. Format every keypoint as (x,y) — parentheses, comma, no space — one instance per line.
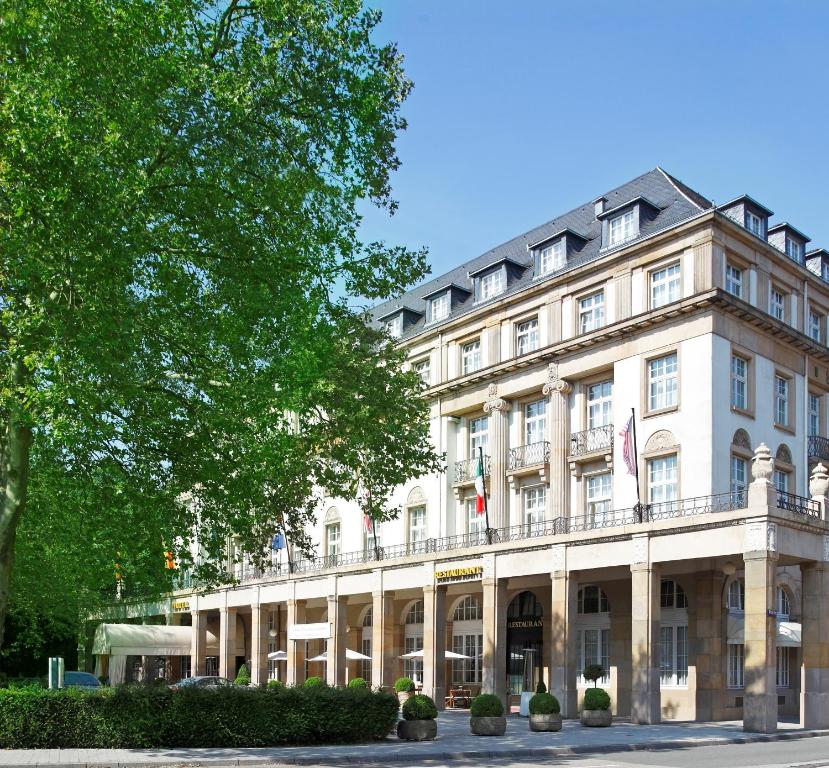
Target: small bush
(313,682)
(404,685)
(596,698)
(243,675)
(487,705)
(419,707)
(357,682)
(273,684)
(541,688)
(594,672)
(544,704)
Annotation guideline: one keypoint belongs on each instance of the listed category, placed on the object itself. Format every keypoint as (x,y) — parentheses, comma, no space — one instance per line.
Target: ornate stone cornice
(555,384)
(495,403)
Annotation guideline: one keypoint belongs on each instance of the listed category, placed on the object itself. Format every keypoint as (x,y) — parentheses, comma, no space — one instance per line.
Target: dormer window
(439,307)
(552,257)
(394,326)
(622,227)
(794,250)
(749,214)
(791,241)
(493,279)
(492,284)
(754,223)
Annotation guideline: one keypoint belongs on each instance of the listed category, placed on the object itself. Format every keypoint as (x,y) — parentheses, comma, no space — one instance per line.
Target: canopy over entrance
(153,640)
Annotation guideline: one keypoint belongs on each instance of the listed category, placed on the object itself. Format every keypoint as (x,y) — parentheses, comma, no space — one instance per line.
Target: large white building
(708,601)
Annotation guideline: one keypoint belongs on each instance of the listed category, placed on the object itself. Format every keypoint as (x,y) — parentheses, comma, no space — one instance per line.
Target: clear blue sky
(523,110)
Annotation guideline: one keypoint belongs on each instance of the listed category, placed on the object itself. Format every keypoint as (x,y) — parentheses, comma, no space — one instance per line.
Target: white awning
(154,640)
(788,632)
(349,654)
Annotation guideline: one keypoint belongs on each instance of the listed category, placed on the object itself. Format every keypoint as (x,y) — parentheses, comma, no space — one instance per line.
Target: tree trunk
(18,441)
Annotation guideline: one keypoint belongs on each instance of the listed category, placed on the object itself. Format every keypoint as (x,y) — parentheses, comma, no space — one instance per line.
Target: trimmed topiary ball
(596,698)
(544,704)
(314,682)
(487,705)
(420,707)
(275,684)
(357,682)
(404,685)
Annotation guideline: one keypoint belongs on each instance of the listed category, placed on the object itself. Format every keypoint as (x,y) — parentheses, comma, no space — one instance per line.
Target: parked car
(202,681)
(80,680)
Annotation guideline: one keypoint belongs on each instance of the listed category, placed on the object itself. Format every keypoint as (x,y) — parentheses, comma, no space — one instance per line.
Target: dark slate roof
(675,201)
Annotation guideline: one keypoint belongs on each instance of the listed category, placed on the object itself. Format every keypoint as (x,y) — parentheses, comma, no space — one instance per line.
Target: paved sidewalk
(454,742)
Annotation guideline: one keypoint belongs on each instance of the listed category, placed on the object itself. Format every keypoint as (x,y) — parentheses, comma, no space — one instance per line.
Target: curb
(398,757)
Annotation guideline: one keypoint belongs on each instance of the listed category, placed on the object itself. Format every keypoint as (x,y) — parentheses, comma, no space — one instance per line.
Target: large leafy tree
(179,231)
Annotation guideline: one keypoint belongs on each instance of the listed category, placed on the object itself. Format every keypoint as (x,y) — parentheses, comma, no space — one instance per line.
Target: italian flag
(479,485)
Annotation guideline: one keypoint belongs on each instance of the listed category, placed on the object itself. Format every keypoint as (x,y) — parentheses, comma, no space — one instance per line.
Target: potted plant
(487,716)
(418,723)
(357,682)
(596,710)
(405,688)
(314,682)
(544,712)
(242,676)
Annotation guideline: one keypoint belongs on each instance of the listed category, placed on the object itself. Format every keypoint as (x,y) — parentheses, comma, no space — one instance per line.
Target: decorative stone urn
(404,696)
(551,722)
(417,730)
(488,726)
(596,718)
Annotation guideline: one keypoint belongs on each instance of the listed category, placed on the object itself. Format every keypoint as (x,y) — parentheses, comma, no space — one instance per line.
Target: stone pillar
(645,696)
(563,672)
(814,674)
(258,644)
(296,648)
(498,409)
(198,643)
(434,643)
(558,429)
(707,646)
(762,495)
(335,667)
(818,489)
(382,640)
(227,643)
(494,673)
(760,699)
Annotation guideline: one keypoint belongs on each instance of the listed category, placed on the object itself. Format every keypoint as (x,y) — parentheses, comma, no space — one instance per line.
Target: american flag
(628,447)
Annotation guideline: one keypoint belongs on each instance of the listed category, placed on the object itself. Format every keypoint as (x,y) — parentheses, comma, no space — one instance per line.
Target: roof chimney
(599,205)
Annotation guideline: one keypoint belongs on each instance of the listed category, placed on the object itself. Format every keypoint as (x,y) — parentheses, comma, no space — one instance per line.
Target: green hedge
(135,716)
(486,705)
(419,707)
(544,704)
(596,698)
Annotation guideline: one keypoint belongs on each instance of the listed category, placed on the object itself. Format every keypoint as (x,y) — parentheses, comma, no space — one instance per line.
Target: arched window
(672,595)
(737,595)
(368,617)
(415,614)
(783,604)
(413,641)
(468,609)
(524,605)
(592,599)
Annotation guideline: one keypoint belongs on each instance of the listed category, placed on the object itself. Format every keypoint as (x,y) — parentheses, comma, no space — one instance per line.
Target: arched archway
(525,639)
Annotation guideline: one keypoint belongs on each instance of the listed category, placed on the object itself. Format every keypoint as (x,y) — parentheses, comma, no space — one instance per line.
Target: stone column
(227,643)
(760,699)
(498,410)
(296,648)
(563,672)
(434,643)
(198,643)
(558,430)
(645,696)
(708,647)
(814,674)
(258,644)
(335,667)
(494,673)
(382,640)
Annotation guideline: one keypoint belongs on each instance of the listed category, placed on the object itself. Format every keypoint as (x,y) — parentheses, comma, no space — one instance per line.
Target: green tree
(179,183)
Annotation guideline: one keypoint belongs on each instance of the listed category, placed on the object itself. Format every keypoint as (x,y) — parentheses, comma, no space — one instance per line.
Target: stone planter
(488,726)
(404,696)
(551,722)
(596,718)
(417,730)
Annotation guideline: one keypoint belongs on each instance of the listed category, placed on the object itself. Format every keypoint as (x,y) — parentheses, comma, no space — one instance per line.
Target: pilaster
(296,648)
(335,669)
(562,635)
(494,673)
(558,428)
(258,644)
(814,674)
(227,643)
(198,643)
(645,698)
(434,643)
(498,410)
(382,640)
(709,645)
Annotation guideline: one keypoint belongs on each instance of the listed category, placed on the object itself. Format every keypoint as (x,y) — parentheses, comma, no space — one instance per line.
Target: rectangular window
(552,257)
(526,336)
(794,250)
(665,285)
(736,663)
(332,540)
(663,485)
(413,667)
(591,312)
(781,401)
(739,383)
(439,307)
(599,404)
(471,355)
(621,228)
(782,667)
(534,501)
(814,414)
(754,223)
(781,480)
(734,281)
(394,327)
(492,284)
(593,647)
(739,481)
(815,325)
(777,304)
(417,526)
(211,666)
(662,382)
(423,369)
(535,422)
(475,522)
(467,671)
(369,538)
(598,499)
(365,649)
(478,435)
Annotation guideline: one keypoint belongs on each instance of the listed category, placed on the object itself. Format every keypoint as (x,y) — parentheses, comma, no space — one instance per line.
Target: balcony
(798,504)
(818,448)
(531,455)
(465,470)
(598,440)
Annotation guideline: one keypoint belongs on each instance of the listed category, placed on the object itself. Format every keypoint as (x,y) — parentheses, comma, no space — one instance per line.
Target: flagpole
(636,464)
(486,505)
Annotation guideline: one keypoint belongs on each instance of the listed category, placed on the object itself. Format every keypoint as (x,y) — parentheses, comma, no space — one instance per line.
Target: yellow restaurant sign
(470,573)
(181,606)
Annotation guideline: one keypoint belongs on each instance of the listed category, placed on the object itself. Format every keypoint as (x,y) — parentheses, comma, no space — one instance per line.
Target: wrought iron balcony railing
(818,447)
(529,455)
(465,470)
(799,504)
(596,440)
